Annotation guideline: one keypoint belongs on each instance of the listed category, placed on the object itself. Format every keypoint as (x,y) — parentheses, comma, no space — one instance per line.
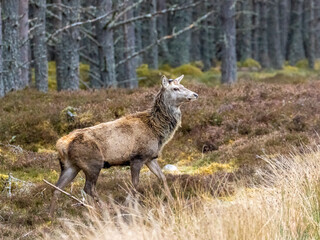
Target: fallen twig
(68,194)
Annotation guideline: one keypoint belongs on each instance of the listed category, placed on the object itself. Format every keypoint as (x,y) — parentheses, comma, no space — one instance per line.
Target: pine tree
(57,24)
(229,61)
(105,48)
(130,66)
(11,69)
(1,69)
(263,43)
(179,47)
(295,49)
(274,39)
(69,51)
(40,47)
(24,41)
(245,28)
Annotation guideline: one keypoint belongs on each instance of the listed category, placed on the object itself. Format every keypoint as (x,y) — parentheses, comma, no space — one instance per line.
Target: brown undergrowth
(218,144)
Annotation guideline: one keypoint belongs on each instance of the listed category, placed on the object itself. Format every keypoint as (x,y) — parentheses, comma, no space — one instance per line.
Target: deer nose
(196,95)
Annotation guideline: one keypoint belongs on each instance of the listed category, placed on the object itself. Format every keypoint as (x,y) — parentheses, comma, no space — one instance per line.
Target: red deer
(133,140)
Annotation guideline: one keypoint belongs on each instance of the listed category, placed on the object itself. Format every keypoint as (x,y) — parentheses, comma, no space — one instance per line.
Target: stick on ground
(68,194)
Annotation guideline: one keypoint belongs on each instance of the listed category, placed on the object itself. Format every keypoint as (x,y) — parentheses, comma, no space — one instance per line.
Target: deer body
(133,140)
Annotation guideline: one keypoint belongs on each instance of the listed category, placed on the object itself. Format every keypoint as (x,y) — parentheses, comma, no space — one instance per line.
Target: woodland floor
(222,136)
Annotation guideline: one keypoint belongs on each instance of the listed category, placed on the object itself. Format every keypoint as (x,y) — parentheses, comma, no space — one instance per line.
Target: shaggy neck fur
(164,118)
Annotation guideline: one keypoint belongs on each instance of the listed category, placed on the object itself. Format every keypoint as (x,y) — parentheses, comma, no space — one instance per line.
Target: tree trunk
(105,48)
(311,32)
(229,61)
(179,47)
(274,39)
(284,18)
(24,41)
(70,46)
(89,44)
(11,62)
(195,49)
(1,69)
(263,46)
(40,47)
(139,32)
(153,53)
(130,66)
(295,50)
(57,23)
(245,27)
(208,36)
(317,28)
(162,25)
(256,30)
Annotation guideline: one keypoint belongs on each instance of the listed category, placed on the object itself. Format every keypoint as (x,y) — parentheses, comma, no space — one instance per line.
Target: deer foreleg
(156,170)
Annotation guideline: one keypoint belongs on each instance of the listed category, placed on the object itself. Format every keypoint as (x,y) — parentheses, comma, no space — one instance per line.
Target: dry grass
(285,205)
(219,190)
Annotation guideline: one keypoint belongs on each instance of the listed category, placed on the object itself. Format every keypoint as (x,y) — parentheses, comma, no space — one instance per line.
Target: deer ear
(179,79)
(164,81)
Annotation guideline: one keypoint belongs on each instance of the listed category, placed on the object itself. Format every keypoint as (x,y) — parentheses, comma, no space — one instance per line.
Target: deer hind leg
(66,177)
(91,180)
(135,167)
(156,170)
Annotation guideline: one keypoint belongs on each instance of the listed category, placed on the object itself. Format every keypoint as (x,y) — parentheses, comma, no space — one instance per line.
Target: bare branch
(90,60)
(68,194)
(119,15)
(151,15)
(76,24)
(173,35)
(113,22)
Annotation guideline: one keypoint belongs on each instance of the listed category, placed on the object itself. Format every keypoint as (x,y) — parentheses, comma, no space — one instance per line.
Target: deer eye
(176,89)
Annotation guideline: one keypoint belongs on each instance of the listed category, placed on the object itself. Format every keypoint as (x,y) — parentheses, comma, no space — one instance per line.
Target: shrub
(303,64)
(198,64)
(165,67)
(211,77)
(286,77)
(149,77)
(249,63)
(188,70)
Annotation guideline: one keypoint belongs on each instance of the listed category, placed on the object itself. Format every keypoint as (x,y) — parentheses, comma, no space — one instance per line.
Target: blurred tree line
(115,37)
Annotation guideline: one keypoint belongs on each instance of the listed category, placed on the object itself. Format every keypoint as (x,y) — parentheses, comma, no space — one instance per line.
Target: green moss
(285,78)
(302,64)
(149,77)
(250,64)
(211,77)
(198,64)
(84,75)
(52,78)
(165,67)
(187,70)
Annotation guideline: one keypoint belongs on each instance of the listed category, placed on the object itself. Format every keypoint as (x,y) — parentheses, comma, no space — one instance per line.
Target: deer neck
(165,119)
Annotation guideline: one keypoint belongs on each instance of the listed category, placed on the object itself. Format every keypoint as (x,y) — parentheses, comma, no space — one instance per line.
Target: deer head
(175,93)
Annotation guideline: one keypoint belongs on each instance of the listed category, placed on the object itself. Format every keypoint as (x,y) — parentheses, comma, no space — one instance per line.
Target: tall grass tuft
(283,205)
